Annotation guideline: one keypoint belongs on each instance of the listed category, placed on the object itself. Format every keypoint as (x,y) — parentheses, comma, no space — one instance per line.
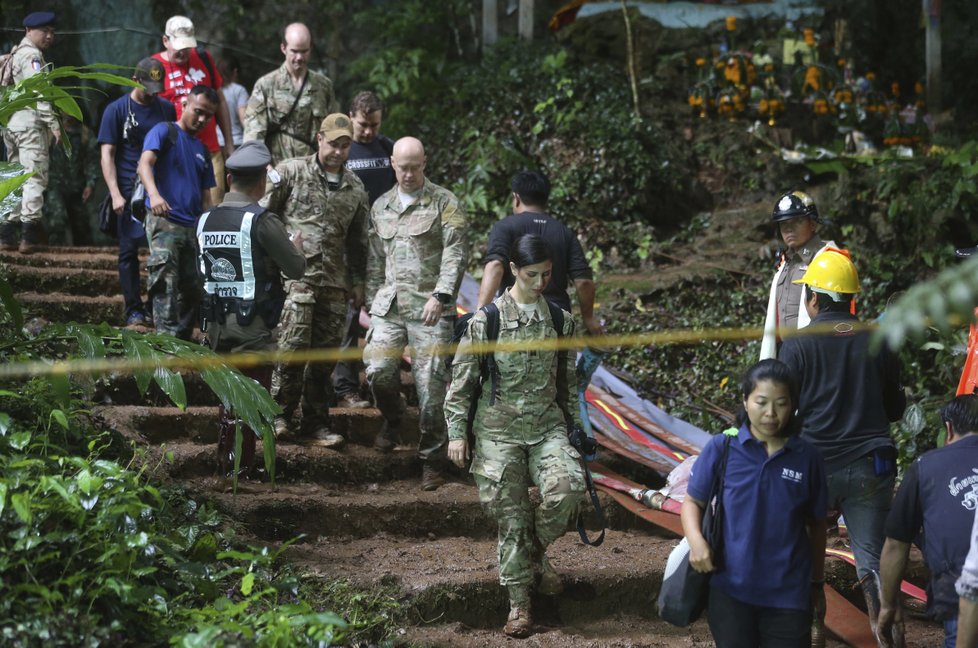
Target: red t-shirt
(177,82)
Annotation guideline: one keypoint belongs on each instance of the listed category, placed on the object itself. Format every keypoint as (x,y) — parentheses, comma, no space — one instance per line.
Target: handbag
(684,592)
(108,222)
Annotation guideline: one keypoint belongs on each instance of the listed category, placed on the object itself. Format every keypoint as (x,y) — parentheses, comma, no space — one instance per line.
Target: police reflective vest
(232,265)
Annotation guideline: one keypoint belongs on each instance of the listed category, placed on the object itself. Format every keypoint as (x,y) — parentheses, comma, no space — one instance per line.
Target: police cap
(40,19)
(251,158)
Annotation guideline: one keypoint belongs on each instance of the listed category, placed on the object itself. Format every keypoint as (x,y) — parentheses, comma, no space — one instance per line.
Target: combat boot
(281,427)
(519,624)
(431,477)
(31,234)
(550,584)
(388,437)
(326,438)
(8,236)
(352,401)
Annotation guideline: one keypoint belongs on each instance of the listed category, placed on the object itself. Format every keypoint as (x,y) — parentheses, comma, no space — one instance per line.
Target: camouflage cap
(180,31)
(336,126)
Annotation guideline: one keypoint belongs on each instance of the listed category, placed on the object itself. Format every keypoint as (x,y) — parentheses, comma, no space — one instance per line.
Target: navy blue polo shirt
(768,501)
(935,507)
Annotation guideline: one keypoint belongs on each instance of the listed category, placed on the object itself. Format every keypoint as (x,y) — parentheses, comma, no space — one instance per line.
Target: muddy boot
(431,476)
(519,624)
(871,592)
(31,234)
(388,437)
(282,426)
(549,583)
(8,236)
(352,401)
(322,436)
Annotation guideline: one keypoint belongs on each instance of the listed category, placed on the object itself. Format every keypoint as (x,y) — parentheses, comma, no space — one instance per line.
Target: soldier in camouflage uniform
(327,203)
(521,440)
(418,253)
(28,135)
(71,186)
(287,105)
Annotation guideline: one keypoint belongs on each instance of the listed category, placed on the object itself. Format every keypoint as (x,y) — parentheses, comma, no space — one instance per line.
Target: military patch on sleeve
(36,63)
(453,216)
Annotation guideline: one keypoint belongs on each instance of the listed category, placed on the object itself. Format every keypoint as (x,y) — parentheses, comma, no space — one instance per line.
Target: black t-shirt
(568,256)
(372,164)
(848,394)
(935,507)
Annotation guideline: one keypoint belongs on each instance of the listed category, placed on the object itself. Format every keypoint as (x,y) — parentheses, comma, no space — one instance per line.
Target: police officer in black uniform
(244,251)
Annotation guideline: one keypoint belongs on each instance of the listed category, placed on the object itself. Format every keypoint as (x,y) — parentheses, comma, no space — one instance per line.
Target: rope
(251,359)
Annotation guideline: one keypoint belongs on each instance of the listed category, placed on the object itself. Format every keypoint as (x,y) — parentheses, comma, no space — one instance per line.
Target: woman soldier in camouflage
(521,438)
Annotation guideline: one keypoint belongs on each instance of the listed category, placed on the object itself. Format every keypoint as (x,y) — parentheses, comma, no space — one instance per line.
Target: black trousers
(736,624)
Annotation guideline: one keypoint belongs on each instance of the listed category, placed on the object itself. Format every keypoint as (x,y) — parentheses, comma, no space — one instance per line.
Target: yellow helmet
(832,272)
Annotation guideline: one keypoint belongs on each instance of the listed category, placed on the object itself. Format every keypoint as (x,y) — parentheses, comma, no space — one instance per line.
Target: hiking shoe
(519,625)
(8,236)
(388,437)
(324,437)
(352,401)
(431,477)
(550,584)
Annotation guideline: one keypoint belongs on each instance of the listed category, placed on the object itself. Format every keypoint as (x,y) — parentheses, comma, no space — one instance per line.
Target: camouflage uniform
(173,283)
(28,136)
(68,217)
(333,226)
(522,439)
(414,251)
(271,101)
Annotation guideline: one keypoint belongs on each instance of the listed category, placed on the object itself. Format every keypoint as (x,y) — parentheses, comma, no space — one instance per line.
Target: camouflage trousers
(503,473)
(386,340)
(29,148)
(174,284)
(67,219)
(311,319)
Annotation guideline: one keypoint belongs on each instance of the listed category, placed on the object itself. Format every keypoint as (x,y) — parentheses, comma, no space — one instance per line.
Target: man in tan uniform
(287,105)
(29,134)
(418,253)
(325,202)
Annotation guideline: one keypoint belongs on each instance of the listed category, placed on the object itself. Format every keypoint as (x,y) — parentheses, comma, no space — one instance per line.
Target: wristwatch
(444,298)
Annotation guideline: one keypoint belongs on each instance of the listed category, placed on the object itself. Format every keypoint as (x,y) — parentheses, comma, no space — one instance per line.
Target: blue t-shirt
(128,141)
(767,556)
(182,172)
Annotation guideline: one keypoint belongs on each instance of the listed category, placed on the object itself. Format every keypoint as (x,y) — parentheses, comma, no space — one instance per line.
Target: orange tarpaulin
(969,376)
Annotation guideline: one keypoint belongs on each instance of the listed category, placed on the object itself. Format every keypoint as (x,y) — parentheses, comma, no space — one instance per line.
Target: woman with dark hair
(520,430)
(769,572)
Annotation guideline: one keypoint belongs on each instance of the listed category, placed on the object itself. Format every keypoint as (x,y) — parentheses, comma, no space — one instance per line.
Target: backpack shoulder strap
(488,367)
(171,134)
(205,58)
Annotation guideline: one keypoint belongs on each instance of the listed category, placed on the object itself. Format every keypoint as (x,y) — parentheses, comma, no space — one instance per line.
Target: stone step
(552,631)
(354,464)
(74,281)
(61,307)
(102,258)
(391,503)
(199,423)
(445,579)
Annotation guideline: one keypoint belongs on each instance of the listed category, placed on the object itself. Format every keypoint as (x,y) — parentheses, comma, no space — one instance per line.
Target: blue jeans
(864,499)
(950,632)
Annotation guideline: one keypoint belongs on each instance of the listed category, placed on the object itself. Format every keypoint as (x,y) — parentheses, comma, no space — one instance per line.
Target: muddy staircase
(362,515)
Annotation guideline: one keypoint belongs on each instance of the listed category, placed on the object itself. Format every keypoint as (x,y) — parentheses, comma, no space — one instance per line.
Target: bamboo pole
(630,52)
